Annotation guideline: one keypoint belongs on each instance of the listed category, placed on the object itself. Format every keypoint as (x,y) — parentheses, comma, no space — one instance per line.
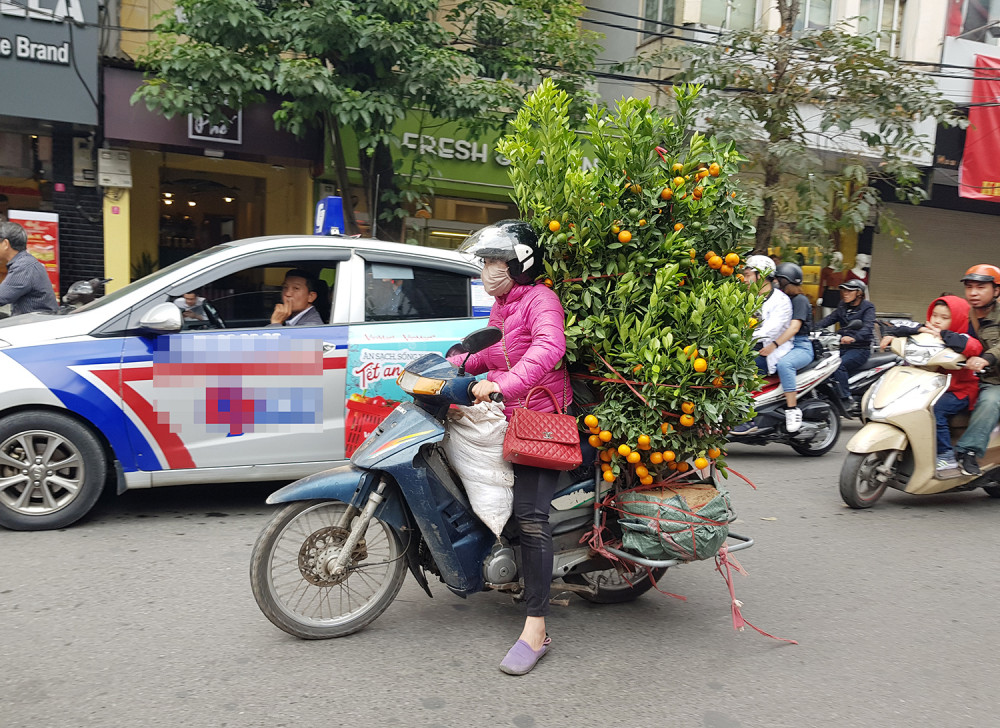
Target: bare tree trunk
(777,130)
(766,221)
(380,184)
(340,169)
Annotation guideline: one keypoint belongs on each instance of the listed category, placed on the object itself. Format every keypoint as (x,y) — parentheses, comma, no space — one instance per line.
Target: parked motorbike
(331,561)
(80,293)
(897,447)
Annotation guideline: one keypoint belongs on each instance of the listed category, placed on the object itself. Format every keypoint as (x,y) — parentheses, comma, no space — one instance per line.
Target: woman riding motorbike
(531,318)
(775,314)
(789,279)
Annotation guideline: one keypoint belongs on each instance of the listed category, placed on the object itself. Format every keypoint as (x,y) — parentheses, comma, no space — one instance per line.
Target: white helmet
(760,264)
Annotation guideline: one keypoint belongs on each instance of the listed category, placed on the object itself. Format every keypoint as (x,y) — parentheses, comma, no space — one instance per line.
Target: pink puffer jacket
(532,319)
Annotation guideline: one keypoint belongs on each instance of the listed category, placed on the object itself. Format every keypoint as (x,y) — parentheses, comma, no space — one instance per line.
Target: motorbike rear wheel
(859,486)
(824,442)
(291,579)
(612,588)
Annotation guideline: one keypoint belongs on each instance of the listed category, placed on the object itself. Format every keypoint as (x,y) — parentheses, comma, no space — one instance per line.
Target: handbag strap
(523,402)
(547,391)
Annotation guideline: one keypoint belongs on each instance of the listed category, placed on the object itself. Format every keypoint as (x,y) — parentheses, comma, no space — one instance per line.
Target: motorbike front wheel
(860,486)
(290,571)
(612,587)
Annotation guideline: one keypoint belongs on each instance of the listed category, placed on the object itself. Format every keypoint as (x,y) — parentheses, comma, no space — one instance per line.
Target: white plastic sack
(474,445)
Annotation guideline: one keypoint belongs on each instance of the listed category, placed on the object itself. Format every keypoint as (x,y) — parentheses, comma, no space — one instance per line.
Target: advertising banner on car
(43,239)
(377,354)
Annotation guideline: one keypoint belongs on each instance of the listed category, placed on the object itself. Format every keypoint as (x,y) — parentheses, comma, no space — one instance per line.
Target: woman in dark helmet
(855,346)
(789,279)
(530,354)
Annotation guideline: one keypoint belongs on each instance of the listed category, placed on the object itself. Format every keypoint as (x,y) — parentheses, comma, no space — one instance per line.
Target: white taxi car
(128,392)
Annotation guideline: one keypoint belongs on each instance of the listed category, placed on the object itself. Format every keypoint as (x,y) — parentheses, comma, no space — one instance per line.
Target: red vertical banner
(979,173)
(43,239)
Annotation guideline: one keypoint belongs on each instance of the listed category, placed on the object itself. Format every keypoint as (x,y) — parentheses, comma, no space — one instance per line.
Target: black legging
(533,491)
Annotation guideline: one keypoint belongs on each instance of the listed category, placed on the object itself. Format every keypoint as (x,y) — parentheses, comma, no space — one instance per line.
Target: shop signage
(226,132)
(50,45)
(43,239)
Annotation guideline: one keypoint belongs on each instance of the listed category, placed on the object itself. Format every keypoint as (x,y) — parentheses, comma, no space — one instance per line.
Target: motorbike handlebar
(494,397)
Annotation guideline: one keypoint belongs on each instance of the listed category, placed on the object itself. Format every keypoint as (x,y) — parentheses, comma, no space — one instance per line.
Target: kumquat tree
(643,246)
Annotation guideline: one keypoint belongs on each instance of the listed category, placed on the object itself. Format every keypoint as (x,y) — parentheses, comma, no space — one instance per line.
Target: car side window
(245,298)
(406,292)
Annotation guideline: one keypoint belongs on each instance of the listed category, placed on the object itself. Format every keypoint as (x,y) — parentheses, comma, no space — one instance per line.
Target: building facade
(49,84)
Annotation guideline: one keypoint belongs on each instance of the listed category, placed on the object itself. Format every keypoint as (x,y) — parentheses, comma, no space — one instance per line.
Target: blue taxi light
(329,217)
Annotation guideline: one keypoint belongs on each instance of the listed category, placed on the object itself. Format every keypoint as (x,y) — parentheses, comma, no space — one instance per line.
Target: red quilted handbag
(542,439)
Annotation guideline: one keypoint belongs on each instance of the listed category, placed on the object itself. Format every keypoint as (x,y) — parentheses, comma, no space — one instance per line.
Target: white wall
(946,243)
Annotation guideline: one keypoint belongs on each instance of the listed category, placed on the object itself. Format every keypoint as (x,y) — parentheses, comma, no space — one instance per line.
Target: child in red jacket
(948,319)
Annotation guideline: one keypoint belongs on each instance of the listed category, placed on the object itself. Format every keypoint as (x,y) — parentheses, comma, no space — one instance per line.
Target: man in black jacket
(855,345)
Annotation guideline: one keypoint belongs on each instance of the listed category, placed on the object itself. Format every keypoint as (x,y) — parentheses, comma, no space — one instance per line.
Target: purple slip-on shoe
(521,659)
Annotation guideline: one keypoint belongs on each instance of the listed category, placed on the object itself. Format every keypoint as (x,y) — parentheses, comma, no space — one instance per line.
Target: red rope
(739,475)
(651,384)
(724,561)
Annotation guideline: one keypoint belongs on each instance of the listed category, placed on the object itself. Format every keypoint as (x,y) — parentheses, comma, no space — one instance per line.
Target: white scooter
(897,446)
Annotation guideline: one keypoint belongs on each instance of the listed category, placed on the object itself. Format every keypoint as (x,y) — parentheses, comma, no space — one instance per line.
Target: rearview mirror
(481,339)
(854,325)
(163,318)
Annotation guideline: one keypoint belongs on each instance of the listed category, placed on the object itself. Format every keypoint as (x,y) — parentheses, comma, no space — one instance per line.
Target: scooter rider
(982,286)
(855,346)
(775,315)
(789,278)
(531,318)
(775,312)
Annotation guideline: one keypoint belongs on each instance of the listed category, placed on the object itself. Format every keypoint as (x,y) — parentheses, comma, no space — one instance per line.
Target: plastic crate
(362,419)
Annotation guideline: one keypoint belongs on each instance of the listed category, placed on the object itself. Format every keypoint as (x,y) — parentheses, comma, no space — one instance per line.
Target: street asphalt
(142,615)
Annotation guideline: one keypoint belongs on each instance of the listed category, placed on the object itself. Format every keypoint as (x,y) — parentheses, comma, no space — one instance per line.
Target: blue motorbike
(334,558)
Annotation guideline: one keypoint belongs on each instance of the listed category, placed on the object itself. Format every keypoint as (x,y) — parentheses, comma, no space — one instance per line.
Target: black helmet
(513,241)
(790,272)
(853,285)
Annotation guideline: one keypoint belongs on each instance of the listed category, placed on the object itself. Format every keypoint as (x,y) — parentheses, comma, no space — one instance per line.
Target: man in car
(982,286)
(27,287)
(298,293)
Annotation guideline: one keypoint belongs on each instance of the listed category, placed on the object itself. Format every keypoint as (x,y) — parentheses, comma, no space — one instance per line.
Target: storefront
(467,176)
(194,184)
(48,121)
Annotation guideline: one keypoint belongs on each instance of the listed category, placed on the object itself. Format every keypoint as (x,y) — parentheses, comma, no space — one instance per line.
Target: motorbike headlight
(905,401)
(416,384)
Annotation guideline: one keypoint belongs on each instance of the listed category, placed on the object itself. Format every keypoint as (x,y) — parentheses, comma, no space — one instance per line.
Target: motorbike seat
(813,364)
(877,360)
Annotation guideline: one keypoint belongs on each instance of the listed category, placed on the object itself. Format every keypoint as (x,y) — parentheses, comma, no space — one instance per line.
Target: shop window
(402,292)
(729,14)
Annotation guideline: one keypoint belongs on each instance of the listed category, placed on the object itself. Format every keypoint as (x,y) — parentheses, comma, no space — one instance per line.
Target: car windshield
(146,280)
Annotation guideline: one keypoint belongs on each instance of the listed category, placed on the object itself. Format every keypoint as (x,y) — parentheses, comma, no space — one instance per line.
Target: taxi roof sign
(329,216)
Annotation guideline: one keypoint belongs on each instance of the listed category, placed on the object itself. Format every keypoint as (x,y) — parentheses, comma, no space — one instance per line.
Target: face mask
(496,279)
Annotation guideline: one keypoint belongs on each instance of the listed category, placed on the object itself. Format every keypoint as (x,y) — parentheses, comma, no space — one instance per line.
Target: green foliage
(782,97)
(630,266)
(362,64)
(144,266)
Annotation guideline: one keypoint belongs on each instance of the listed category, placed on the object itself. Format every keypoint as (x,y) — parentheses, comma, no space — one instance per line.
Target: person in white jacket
(774,316)
(775,313)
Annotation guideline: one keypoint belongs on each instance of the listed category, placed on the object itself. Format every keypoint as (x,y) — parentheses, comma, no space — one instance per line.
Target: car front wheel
(52,471)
